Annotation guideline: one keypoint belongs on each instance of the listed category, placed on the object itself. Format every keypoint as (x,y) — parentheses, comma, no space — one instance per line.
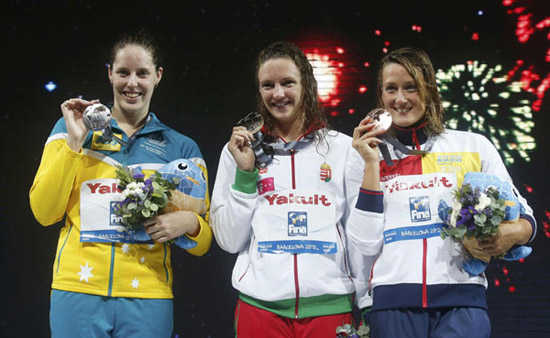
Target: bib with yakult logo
(412,203)
(296,221)
(98,220)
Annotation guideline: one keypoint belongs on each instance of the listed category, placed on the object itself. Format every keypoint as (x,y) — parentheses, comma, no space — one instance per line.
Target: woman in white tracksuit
(419,288)
(286,219)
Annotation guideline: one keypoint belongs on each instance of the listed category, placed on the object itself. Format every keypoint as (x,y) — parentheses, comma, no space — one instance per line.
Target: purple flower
(148,186)
(466,214)
(138,176)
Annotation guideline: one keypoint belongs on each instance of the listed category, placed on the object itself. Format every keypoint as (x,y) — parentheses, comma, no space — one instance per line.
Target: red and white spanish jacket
(416,268)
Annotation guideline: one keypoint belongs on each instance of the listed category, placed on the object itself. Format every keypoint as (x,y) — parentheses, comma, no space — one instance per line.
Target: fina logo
(297,223)
(420,209)
(114,219)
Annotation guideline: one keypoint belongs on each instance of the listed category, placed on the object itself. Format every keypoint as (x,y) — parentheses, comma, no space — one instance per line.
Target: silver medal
(97,117)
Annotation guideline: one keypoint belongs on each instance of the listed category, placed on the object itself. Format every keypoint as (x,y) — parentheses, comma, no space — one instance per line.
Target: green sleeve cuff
(246,181)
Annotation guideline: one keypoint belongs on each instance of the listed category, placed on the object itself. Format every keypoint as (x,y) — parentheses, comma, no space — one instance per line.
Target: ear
(110,73)
(159,75)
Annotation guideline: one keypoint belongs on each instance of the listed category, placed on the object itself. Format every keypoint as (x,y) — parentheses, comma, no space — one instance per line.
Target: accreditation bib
(98,220)
(412,204)
(296,221)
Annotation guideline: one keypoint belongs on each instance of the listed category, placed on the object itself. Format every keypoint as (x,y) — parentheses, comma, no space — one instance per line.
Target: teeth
(280,104)
(132,95)
(402,110)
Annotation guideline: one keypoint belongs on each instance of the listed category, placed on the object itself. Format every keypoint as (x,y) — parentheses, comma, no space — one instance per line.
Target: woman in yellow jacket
(105,287)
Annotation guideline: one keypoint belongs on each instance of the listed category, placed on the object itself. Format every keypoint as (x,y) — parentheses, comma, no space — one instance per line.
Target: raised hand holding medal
(378,123)
(365,136)
(253,124)
(73,113)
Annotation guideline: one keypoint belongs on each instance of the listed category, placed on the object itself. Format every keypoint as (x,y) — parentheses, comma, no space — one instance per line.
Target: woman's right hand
(73,110)
(365,141)
(241,149)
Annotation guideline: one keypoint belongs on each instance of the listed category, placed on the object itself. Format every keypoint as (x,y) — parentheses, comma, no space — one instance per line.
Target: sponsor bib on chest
(98,220)
(296,221)
(412,203)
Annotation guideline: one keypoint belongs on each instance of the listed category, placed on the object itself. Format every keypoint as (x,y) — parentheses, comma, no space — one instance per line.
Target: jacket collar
(414,135)
(152,124)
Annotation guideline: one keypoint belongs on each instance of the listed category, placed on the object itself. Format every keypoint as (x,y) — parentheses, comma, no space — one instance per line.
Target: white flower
(131,186)
(134,189)
(140,194)
(454,216)
(457,206)
(484,202)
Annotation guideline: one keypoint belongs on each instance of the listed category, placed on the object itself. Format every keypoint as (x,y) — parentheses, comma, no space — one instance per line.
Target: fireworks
(478,97)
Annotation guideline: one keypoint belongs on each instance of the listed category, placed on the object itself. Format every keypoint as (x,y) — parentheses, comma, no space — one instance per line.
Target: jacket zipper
(416,143)
(424,274)
(296,283)
(125,149)
(111,270)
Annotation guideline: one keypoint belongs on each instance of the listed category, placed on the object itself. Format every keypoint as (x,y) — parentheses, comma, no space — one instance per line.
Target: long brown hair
(418,65)
(309,105)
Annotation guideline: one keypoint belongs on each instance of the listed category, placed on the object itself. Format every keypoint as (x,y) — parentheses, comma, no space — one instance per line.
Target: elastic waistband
(307,307)
(439,296)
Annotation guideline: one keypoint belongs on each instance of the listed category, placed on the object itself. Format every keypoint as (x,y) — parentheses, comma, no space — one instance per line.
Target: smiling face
(281,92)
(134,77)
(400,95)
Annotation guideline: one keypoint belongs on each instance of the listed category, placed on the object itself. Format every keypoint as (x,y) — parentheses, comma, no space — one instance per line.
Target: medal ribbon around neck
(383,121)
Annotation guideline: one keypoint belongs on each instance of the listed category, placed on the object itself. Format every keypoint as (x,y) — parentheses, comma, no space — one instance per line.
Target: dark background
(209,51)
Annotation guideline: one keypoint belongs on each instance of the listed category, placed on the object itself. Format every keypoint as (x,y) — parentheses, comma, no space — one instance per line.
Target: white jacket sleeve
(365,225)
(231,210)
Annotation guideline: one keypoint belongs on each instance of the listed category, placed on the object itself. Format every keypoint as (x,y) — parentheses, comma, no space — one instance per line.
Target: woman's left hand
(509,234)
(172,225)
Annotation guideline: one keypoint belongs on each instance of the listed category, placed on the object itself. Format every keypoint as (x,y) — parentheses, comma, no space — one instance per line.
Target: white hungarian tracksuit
(286,222)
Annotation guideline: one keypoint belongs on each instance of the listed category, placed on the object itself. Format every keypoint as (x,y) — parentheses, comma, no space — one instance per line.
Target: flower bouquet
(480,206)
(348,331)
(179,185)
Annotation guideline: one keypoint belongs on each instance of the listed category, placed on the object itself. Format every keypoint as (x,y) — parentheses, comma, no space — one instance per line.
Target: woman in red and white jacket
(419,288)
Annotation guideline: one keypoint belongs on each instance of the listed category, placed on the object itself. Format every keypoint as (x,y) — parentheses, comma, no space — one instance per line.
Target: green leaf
(132,205)
(461,231)
(480,218)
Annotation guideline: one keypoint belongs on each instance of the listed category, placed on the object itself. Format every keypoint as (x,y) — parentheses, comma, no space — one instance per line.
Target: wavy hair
(309,104)
(418,65)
